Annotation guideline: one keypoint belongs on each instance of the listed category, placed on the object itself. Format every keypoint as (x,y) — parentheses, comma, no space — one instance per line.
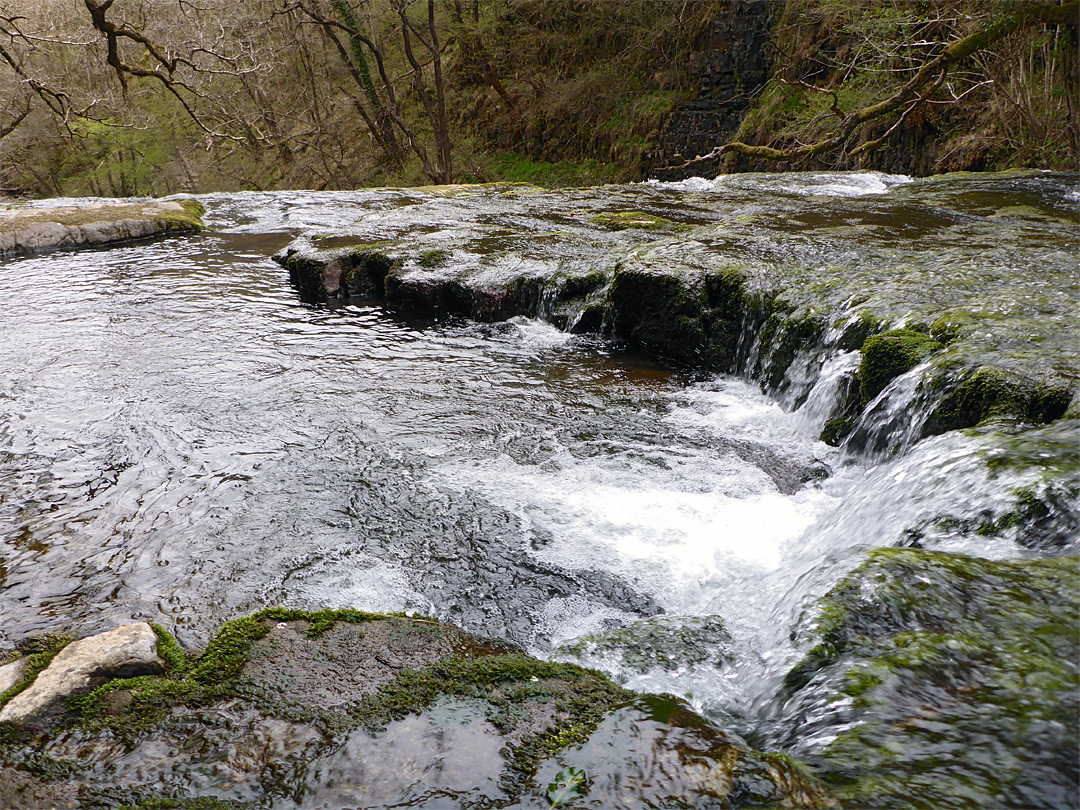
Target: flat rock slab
(347,709)
(31,229)
(121,653)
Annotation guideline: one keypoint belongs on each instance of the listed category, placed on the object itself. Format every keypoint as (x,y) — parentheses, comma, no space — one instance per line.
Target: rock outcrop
(944,677)
(350,709)
(709,283)
(34,229)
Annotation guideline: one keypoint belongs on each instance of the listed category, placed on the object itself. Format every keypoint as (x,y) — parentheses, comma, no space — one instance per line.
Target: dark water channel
(183,440)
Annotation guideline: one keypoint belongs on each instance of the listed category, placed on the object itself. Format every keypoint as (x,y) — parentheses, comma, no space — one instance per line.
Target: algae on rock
(286,704)
(918,655)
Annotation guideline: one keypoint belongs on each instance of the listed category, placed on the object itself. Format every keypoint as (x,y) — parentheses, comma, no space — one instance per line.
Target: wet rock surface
(341,709)
(944,677)
(34,229)
(716,277)
(666,642)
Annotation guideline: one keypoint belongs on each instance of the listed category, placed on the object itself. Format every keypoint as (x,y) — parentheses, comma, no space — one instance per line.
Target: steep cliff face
(729,65)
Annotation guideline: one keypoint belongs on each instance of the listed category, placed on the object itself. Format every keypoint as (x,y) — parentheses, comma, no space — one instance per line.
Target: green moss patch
(997,393)
(624,220)
(40,652)
(433,258)
(890,354)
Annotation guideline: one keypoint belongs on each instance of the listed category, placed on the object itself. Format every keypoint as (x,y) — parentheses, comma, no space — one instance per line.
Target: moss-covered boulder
(942,680)
(989,392)
(32,229)
(349,709)
(890,354)
(339,272)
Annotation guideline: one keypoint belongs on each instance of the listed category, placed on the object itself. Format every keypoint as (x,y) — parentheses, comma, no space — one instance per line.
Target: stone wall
(730,63)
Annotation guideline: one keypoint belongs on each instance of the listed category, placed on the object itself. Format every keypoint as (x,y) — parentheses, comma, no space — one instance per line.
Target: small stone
(121,653)
(11,674)
(116,703)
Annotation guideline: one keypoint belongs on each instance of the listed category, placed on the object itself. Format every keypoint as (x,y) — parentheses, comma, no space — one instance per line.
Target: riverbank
(27,229)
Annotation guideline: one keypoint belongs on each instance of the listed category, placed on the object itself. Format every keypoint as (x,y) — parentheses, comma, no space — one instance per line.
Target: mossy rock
(659,642)
(786,332)
(28,230)
(435,257)
(920,653)
(325,706)
(324,274)
(990,392)
(626,220)
(890,354)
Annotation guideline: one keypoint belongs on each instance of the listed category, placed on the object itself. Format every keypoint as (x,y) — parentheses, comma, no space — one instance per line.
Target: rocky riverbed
(916,647)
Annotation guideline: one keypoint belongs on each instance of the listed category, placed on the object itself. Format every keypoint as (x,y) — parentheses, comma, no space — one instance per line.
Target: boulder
(341,708)
(121,653)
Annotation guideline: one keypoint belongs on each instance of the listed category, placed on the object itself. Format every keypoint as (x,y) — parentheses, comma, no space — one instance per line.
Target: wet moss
(991,393)
(209,678)
(435,257)
(624,220)
(580,699)
(890,354)
(578,286)
(162,803)
(169,650)
(836,429)
(190,218)
(787,331)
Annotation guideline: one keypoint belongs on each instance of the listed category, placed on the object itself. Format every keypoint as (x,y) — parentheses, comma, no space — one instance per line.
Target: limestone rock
(121,653)
(11,674)
(33,229)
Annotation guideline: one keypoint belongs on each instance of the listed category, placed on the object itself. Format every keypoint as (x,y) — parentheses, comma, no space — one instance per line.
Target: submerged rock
(121,653)
(348,709)
(29,229)
(944,677)
(664,642)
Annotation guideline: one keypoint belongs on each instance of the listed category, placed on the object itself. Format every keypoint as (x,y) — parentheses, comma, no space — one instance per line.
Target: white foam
(820,184)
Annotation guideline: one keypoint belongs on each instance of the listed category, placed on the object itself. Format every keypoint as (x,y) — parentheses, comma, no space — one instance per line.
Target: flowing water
(182,439)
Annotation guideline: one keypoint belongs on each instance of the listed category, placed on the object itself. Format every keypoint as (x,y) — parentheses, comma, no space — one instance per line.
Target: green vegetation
(844,64)
(889,355)
(433,258)
(622,220)
(517,168)
(549,93)
(39,652)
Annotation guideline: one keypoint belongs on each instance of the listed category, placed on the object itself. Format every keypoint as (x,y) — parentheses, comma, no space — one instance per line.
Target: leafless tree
(927,82)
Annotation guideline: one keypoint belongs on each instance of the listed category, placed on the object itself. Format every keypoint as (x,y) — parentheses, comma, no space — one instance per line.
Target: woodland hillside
(152,97)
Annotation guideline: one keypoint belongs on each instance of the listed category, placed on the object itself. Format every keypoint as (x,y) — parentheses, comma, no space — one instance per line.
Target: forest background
(154,97)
